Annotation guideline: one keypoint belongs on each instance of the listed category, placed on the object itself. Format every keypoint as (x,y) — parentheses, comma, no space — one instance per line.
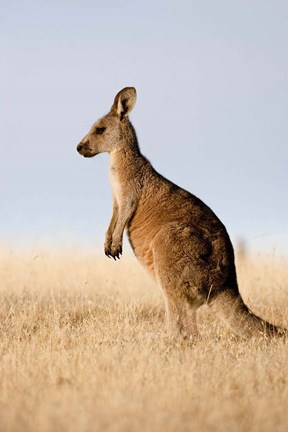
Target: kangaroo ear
(124,102)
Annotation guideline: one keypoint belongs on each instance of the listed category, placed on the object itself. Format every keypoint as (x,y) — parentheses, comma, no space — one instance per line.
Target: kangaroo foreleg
(114,237)
(110,230)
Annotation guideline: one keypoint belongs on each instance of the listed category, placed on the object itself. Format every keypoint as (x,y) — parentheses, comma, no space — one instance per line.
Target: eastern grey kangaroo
(177,237)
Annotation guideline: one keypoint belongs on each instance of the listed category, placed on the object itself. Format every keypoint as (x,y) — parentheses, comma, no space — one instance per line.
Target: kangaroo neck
(127,162)
(127,156)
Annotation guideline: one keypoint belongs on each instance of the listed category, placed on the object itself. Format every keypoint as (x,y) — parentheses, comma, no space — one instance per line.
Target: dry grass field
(83,348)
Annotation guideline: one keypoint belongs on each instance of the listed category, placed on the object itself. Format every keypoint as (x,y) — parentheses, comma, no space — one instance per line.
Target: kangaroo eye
(99,131)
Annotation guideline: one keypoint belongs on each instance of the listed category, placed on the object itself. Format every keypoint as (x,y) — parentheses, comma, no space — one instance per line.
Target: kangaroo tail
(230,307)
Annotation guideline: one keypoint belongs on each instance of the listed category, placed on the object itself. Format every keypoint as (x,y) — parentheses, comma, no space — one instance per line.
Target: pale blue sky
(211,114)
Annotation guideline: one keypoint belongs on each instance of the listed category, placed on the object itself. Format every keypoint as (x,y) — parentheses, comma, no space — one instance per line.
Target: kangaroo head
(109,132)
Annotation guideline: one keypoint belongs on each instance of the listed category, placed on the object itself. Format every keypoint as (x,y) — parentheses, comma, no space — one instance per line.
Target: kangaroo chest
(115,184)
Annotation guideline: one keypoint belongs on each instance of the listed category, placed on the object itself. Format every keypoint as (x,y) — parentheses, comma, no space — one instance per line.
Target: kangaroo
(178,238)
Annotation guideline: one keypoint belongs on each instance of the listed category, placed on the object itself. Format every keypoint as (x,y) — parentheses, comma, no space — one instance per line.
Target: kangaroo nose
(79,147)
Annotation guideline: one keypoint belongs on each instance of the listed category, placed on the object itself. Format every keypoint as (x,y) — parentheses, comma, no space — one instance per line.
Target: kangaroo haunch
(178,238)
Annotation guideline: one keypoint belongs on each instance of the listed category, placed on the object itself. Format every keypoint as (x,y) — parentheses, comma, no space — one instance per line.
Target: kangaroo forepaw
(113,251)
(107,248)
(116,251)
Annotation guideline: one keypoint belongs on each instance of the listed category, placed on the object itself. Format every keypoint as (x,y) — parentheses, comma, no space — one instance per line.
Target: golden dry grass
(82,348)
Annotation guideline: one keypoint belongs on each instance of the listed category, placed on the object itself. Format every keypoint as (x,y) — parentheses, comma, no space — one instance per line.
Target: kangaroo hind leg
(181,315)
(190,330)
(177,275)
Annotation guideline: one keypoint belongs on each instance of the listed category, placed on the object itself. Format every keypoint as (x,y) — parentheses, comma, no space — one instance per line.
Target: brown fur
(180,241)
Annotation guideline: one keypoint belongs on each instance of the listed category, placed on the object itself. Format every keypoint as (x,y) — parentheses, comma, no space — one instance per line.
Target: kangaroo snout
(84,149)
(79,147)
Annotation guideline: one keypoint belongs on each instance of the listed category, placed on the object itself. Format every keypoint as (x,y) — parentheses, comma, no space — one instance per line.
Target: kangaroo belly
(141,241)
